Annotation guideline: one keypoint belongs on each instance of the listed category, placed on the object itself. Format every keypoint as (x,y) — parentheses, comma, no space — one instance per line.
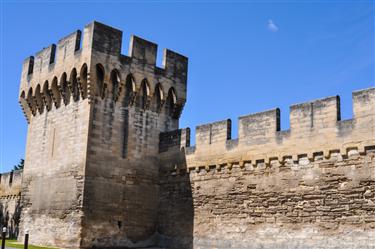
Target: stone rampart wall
(325,203)
(10,196)
(312,186)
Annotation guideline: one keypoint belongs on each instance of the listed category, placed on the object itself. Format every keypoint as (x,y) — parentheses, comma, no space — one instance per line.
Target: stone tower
(95,115)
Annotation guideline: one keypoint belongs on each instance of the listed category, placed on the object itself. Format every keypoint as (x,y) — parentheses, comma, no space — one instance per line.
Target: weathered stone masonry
(106,164)
(91,173)
(10,208)
(308,187)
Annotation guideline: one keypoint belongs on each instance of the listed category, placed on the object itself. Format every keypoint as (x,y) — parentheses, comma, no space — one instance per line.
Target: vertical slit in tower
(338,108)
(125,134)
(11,178)
(278,126)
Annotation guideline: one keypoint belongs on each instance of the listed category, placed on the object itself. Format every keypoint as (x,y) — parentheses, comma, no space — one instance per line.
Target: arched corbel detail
(100,85)
(121,89)
(174,105)
(25,107)
(145,95)
(55,93)
(82,80)
(115,84)
(38,99)
(130,91)
(64,89)
(177,109)
(73,85)
(159,98)
(46,96)
(31,101)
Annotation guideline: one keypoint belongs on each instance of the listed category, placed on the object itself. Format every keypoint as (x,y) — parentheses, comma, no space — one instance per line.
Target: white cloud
(271,26)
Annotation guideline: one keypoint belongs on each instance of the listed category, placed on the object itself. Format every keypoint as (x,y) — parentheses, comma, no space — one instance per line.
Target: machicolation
(49,81)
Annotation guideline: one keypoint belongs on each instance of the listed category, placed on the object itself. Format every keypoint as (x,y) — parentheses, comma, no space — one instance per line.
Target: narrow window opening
(11,178)
(144,95)
(31,65)
(338,108)
(53,54)
(278,127)
(78,41)
(125,129)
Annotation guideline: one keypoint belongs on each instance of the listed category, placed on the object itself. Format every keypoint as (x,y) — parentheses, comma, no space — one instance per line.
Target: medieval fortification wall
(308,187)
(107,165)
(10,196)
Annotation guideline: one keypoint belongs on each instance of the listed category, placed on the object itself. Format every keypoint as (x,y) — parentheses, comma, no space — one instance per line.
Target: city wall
(10,195)
(308,187)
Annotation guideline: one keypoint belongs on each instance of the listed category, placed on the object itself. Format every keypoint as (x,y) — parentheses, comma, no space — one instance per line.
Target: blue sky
(243,57)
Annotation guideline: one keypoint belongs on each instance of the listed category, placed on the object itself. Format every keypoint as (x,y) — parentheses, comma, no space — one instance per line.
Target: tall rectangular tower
(95,115)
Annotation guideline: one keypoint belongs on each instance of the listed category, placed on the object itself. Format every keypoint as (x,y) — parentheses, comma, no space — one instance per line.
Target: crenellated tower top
(79,68)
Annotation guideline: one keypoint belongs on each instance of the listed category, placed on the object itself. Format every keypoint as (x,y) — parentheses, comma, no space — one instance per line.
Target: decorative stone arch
(83,79)
(130,91)
(39,99)
(25,107)
(23,95)
(100,85)
(158,98)
(171,103)
(64,89)
(144,95)
(73,85)
(55,93)
(46,95)
(115,87)
(172,95)
(30,101)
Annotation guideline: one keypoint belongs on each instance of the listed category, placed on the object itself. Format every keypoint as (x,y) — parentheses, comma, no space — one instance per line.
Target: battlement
(10,183)
(316,129)
(76,69)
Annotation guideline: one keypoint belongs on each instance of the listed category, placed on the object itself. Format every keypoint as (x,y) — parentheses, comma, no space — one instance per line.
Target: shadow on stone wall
(176,211)
(9,217)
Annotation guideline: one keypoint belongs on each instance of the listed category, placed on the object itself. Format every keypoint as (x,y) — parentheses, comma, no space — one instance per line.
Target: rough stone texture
(107,166)
(53,178)
(327,203)
(10,208)
(95,115)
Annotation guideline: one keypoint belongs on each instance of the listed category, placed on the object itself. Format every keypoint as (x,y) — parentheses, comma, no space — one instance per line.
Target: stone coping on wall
(316,130)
